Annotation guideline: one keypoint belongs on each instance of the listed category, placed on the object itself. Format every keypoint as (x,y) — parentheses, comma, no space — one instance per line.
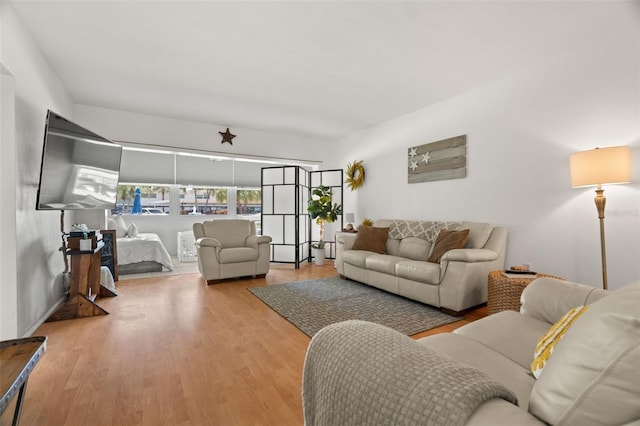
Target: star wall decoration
(227,136)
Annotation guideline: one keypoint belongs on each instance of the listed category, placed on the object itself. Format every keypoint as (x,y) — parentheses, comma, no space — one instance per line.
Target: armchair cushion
(238,254)
(230,233)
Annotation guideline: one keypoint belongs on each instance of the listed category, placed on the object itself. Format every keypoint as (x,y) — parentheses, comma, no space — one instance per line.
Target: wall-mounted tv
(79,168)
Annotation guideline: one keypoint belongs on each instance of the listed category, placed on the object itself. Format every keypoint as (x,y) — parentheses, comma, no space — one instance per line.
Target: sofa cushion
(356,257)
(548,299)
(593,376)
(470,352)
(414,248)
(479,234)
(382,263)
(238,254)
(448,240)
(551,338)
(372,239)
(421,271)
(512,334)
(392,246)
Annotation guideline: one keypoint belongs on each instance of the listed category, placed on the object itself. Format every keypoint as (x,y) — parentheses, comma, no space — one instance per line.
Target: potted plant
(322,210)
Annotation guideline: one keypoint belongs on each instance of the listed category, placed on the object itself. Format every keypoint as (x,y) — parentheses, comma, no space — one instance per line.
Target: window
(154,200)
(204,201)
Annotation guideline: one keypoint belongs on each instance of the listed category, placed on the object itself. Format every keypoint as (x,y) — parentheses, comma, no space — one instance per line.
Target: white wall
(521,132)
(8,275)
(39,265)
(162,131)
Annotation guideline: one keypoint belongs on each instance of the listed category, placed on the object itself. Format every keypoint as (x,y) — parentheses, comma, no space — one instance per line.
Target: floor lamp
(597,167)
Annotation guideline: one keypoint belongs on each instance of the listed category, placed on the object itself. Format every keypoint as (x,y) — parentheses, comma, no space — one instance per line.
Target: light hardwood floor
(174,351)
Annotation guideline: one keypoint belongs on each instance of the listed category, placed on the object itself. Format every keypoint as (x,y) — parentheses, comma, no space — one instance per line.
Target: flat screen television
(79,169)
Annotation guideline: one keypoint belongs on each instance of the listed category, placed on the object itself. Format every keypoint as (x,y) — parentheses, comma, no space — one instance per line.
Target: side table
(18,357)
(504,292)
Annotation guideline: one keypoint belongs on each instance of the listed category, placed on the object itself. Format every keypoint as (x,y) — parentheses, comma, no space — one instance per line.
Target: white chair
(230,248)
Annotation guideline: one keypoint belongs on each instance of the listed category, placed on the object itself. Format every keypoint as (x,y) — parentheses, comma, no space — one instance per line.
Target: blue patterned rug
(313,304)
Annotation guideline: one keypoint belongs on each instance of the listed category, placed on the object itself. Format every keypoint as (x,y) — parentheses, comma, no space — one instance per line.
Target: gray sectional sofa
(457,283)
(361,373)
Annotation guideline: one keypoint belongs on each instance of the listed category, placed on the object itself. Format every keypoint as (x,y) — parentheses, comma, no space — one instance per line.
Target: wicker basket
(504,292)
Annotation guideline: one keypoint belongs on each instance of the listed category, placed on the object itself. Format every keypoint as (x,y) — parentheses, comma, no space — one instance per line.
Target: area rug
(313,304)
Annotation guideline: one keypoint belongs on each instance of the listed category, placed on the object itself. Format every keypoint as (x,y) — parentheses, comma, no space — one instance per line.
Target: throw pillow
(132,231)
(371,239)
(447,240)
(549,340)
(117,223)
(592,376)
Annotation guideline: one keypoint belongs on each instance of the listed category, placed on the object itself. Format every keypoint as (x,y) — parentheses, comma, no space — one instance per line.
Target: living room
(521,125)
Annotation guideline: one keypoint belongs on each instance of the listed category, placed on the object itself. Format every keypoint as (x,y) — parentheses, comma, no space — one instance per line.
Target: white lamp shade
(601,165)
(350,217)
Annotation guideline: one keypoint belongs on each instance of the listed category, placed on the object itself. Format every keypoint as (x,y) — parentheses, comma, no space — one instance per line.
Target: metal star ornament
(227,136)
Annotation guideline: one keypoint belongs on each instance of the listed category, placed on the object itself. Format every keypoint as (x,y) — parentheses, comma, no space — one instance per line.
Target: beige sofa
(228,248)
(457,283)
(363,373)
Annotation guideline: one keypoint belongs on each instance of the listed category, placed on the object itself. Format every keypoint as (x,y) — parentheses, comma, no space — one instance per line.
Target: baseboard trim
(45,317)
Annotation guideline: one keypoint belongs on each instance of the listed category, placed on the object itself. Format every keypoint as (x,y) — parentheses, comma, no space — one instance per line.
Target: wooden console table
(84,286)
(17,359)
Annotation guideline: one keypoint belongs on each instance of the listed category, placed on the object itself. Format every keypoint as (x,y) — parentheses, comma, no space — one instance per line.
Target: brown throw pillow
(447,240)
(371,239)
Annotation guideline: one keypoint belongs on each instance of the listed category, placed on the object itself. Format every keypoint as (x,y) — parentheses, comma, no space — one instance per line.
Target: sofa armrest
(345,241)
(208,242)
(262,239)
(358,372)
(470,255)
(548,299)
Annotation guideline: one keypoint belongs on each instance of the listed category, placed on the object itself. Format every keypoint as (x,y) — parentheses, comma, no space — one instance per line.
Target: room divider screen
(285,192)
(285,195)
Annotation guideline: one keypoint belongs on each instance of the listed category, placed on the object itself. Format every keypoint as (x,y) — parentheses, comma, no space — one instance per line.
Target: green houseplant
(322,210)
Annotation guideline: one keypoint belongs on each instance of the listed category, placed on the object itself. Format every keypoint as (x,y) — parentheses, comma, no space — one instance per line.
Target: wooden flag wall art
(441,160)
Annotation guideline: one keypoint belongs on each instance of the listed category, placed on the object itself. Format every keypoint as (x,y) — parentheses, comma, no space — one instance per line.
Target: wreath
(355,175)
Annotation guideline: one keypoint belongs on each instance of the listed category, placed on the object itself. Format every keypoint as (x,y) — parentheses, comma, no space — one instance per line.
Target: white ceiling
(323,69)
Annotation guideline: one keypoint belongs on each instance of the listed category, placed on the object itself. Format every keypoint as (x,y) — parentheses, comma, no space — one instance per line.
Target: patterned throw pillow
(371,239)
(447,240)
(545,346)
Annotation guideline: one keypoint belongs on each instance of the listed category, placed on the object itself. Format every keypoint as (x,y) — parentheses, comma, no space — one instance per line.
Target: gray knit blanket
(361,373)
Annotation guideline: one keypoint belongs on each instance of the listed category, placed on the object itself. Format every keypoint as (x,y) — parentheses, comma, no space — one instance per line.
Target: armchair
(230,248)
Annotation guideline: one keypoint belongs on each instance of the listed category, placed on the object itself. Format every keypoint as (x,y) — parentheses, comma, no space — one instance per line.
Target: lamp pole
(600,203)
